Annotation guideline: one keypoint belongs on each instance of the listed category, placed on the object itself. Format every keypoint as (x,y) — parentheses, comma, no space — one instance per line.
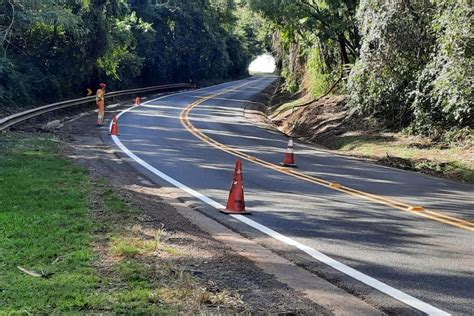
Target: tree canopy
(403,62)
(52,50)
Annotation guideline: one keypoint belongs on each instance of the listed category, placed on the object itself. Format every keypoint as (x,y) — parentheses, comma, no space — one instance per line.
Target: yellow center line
(184,117)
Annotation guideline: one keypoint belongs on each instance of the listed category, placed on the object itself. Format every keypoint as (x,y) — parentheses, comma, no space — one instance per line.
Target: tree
(443,95)
(395,47)
(308,34)
(56,49)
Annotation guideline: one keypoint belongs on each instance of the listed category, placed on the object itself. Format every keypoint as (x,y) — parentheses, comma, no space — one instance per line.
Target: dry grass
(145,266)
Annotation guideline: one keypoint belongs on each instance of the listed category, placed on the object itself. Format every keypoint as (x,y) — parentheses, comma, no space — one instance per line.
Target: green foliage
(416,65)
(403,63)
(318,77)
(312,39)
(394,49)
(53,50)
(443,95)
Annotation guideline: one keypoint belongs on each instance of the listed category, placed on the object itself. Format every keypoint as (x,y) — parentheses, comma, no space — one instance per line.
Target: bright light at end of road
(263,64)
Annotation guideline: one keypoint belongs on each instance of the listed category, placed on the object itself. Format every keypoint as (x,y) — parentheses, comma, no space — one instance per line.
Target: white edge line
(370,281)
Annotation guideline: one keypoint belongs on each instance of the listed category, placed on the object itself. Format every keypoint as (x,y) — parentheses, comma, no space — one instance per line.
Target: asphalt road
(429,259)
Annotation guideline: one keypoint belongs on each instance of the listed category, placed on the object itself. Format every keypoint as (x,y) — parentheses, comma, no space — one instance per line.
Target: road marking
(372,282)
(446,219)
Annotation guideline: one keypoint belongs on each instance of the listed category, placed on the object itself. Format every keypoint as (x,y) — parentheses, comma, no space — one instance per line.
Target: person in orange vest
(100,100)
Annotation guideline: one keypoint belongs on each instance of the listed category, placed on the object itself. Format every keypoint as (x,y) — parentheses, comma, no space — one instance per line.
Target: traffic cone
(236,202)
(289,160)
(138,101)
(114,129)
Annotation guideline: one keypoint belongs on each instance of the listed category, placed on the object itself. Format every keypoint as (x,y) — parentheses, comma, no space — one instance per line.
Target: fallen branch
(34,274)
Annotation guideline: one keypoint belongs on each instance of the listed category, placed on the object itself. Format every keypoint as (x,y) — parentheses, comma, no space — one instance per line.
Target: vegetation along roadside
(329,122)
(70,243)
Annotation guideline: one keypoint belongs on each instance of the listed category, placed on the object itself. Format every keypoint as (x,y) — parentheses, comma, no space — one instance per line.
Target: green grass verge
(88,261)
(453,162)
(46,227)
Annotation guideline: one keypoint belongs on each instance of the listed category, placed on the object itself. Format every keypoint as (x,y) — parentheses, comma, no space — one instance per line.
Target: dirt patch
(319,122)
(188,268)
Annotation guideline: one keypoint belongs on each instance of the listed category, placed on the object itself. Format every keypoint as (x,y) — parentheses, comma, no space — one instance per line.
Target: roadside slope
(328,122)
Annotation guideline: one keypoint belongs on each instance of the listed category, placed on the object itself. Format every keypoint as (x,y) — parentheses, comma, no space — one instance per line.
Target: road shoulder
(264,280)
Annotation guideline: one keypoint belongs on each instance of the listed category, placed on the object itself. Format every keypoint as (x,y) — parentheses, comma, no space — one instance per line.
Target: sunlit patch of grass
(131,246)
(451,162)
(172,251)
(131,243)
(124,248)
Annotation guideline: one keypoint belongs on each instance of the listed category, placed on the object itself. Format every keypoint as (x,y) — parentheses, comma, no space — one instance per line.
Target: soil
(321,121)
(220,270)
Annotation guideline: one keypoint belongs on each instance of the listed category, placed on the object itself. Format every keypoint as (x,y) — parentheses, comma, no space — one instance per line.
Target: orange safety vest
(99,97)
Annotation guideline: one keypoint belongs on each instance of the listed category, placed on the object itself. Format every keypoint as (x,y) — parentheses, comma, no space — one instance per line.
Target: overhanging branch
(8,30)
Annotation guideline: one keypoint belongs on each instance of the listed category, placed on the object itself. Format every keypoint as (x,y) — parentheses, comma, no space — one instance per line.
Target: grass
(44,227)
(131,246)
(453,162)
(288,105)
(47,226)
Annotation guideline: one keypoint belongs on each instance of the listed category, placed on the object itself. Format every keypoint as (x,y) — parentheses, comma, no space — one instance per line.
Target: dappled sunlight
(235,100)
(230,134)
(325,171)
(161,106)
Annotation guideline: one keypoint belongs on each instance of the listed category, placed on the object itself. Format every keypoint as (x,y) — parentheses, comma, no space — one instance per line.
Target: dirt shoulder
(328,122)
(200,272)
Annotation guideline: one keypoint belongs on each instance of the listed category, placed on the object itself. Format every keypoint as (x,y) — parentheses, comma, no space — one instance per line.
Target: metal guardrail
(13,119)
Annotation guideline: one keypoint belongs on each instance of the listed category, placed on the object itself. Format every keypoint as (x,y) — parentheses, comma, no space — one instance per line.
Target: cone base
(291,165)
(227,211)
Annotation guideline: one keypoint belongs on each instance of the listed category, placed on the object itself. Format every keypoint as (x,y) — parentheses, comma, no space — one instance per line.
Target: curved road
(399,260)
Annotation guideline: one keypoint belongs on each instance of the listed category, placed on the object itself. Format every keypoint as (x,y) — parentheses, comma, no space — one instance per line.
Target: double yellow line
(420,211)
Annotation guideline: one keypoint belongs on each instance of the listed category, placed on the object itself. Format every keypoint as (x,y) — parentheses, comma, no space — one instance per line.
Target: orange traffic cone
(289,160)
(114,130)
(138,101)
(235,202)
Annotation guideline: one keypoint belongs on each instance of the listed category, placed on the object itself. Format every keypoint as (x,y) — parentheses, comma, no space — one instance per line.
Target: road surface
(196,137)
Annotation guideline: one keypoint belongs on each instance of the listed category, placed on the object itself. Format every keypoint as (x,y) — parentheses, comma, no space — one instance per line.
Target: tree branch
(315,8)
(320,97)
(350,46)
(8,30)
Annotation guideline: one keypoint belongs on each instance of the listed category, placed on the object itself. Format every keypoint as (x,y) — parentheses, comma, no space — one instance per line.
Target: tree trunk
(342,46)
